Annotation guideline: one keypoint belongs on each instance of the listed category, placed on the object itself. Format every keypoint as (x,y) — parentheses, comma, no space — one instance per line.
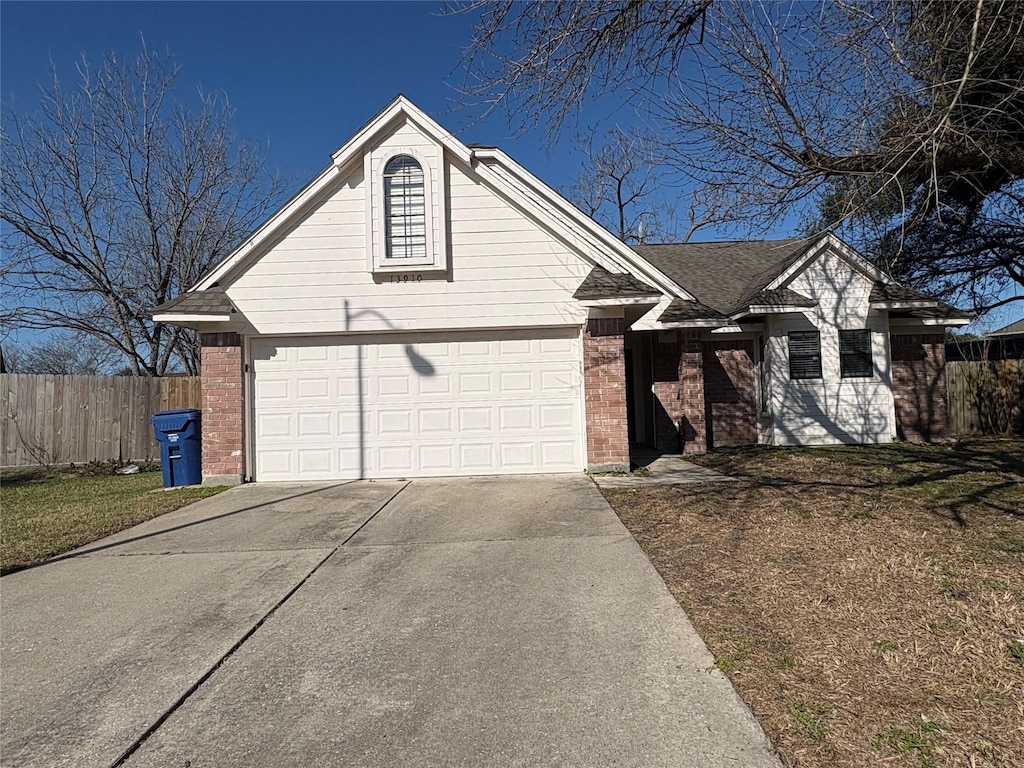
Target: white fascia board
(749,328)
(815,250)
(904,304)
(768,309)
(629,260)
(341,161)
(693,324)
(401,106)
(176,319)
(649,320)
(916,322)
(624,302)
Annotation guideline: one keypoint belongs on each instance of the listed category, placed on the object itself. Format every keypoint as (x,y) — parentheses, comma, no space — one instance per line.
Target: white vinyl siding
(505,271)
(831,409)
(478,403)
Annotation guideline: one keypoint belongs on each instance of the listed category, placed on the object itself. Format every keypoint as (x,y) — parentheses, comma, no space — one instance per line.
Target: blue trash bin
(180,446)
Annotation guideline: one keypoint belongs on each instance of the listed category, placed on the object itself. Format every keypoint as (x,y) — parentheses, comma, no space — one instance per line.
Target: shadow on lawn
(955,479)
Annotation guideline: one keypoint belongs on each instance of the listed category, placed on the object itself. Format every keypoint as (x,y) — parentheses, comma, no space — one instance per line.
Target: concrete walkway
(666,469)
(467,622)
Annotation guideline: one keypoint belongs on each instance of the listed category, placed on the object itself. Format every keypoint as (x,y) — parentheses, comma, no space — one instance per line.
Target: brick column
(665,352)
(223,395)
(692,424)
(919,385)
(730,393)
(604,383)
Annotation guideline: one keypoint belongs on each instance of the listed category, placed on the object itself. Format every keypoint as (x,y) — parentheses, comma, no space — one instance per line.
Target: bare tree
(618,184)
(543,57)
(66,353)
(767,107)
(115,198)
(624,186)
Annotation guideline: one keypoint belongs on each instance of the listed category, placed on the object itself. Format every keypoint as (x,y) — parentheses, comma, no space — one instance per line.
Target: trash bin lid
(175,421)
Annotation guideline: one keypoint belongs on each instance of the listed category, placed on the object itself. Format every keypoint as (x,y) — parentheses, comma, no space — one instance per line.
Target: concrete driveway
(477,622)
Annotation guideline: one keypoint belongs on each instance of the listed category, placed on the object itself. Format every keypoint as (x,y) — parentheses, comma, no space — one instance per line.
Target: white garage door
(418,406)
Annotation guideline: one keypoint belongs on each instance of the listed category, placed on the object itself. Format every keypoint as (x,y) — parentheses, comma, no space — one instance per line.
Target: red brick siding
(665,355)
(692,420)
(730,393)
(604,381)
(222,404)
(679,392)
(919,385)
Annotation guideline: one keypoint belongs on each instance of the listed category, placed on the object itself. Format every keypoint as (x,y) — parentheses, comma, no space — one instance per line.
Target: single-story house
(425,307)
(1011,331)
(1006,343)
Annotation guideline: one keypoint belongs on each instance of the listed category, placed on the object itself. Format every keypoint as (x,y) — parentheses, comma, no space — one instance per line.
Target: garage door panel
(462,405)
(478,419)
(268,390)
(438,384)
(439,459)
(315,424)
(516,417)
(395,422)
(439,420)
(275,425)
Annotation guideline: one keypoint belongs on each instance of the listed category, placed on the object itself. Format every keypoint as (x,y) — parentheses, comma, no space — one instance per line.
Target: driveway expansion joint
(180,701)
(495,540)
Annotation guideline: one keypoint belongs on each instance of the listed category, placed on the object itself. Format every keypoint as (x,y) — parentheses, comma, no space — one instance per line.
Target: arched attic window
(405,215)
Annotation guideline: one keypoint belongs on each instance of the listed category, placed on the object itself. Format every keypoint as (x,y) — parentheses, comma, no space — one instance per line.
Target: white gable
(831,409)
(401,124)
(506,270)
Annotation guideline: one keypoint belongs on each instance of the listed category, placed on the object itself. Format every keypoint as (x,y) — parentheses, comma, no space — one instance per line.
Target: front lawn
(43,514)
(867,602)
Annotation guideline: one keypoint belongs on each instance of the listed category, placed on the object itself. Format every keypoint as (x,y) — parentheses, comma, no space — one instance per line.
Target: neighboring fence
(986,397)
(61,419)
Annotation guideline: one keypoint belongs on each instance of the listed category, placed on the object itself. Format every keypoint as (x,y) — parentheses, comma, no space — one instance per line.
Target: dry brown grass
(864,601)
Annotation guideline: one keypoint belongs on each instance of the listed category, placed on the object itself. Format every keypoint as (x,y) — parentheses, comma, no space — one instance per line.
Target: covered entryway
(417,405)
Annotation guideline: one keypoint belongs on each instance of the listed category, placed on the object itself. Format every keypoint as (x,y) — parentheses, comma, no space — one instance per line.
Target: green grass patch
(44,514)
(1017,651)
(735,650)
(1006,541)
(920,738)
(811,716)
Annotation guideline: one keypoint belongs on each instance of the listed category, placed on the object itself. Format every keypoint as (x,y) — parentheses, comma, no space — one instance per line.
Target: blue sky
(302,75)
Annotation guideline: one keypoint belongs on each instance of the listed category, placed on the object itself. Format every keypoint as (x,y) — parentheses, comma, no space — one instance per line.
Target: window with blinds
(855,354)
(405,214)
(804,355)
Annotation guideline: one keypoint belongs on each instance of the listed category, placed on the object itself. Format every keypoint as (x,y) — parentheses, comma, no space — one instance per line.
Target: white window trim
(374,163)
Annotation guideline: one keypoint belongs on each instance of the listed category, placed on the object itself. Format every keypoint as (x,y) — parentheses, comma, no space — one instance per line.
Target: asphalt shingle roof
(1013,329)
(896,292)
(602,284)
(943,311)
(724,276)
(781,297)
(681,310)
(212,301)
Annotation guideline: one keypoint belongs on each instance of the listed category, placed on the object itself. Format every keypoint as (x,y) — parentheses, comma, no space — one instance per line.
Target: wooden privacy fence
(61,419)
(986,397)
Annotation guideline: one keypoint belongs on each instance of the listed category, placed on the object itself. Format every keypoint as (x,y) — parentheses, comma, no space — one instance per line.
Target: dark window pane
(405,219)
(804,355)
(855,354)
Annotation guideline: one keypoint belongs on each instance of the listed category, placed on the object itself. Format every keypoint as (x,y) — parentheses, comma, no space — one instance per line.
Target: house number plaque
(405,278)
